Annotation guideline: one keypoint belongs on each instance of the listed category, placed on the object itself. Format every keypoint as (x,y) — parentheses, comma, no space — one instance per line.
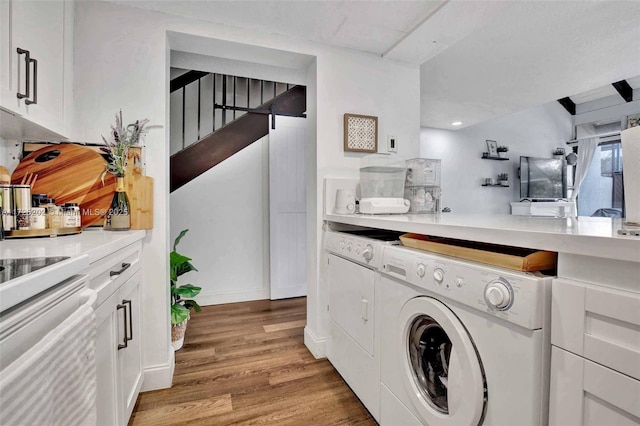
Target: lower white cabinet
(118,342)
(595,358)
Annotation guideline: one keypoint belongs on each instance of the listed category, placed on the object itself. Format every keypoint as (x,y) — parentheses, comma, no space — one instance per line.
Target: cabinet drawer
(598,323)
(585,393)
(109,273)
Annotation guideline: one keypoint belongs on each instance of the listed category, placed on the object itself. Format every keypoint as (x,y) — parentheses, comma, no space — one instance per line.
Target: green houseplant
(181,295)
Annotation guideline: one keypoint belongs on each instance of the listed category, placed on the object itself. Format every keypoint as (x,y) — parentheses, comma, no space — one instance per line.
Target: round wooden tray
(33,233)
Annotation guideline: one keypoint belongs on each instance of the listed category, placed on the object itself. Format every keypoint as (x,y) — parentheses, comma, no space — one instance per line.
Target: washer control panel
(365,251)
(514,296)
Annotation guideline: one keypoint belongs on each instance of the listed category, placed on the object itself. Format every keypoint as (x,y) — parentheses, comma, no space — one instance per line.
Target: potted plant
(558,153)
(121,139)
(181,296)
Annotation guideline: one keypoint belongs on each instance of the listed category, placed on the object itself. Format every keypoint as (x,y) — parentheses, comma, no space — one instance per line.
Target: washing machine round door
(442,371)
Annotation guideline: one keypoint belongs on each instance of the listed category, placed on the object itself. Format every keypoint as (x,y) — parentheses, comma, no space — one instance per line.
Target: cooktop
(16,267)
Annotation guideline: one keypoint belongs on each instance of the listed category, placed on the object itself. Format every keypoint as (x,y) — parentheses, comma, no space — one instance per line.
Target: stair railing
(182,81)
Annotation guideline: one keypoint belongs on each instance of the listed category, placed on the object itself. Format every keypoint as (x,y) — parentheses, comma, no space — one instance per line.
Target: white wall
(122,61)
(534,132)
(225,210)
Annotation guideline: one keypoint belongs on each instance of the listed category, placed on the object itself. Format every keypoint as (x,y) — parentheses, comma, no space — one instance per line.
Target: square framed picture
(360,133)
(492,147)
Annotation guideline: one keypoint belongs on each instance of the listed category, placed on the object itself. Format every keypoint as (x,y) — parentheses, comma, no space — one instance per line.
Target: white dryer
(462,343)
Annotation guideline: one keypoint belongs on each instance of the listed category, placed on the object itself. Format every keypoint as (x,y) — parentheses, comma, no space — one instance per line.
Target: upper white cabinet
(36,61)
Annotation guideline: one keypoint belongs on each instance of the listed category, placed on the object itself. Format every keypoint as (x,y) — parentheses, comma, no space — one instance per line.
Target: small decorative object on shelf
(558,153)
(117,148)
(502,149)
(503,179)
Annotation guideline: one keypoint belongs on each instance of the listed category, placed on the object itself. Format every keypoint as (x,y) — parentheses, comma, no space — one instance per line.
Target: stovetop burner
(17,267)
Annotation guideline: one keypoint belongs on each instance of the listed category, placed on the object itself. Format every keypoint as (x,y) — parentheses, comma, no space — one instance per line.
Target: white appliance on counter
(47,362)
(382,178)
(353,345)
(462,343)
(595,358)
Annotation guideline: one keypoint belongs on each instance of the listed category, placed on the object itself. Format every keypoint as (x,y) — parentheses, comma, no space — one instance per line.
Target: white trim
(159,376)
(218,298)
(316,345)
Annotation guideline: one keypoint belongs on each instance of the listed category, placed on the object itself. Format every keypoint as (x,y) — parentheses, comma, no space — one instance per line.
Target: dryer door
(442,371)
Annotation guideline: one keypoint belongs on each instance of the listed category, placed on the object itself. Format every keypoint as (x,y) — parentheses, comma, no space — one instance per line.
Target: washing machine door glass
(443,374)
(429,352)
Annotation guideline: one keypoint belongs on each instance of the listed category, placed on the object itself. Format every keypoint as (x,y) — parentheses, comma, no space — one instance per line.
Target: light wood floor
(246,363)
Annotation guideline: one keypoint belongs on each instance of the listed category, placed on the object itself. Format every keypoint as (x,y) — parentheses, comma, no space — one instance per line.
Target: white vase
(177,335)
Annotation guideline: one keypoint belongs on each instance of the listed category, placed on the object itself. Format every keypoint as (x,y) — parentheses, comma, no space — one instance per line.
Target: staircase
(233,111)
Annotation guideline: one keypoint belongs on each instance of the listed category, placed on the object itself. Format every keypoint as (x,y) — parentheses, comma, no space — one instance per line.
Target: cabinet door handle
(125,266)
(27,72)
(35,83)
(124,341)
(128,302)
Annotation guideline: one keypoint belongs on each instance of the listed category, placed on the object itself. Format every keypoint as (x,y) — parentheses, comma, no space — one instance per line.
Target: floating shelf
(495,158)
(488,184)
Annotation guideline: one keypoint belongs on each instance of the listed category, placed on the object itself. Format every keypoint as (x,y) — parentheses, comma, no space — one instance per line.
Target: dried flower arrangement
(121,139)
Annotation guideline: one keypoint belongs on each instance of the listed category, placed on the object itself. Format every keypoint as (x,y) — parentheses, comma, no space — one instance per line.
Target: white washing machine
(462,343)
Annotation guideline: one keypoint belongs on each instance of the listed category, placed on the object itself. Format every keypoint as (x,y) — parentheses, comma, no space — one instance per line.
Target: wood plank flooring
(246,363)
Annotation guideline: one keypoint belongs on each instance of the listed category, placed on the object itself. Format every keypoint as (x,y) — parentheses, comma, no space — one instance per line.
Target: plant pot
(177,334)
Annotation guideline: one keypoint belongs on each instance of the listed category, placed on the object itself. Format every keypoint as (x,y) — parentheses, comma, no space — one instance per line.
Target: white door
(288,207)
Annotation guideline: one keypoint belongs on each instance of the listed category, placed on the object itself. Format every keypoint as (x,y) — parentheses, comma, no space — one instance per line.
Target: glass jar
(53,212)
(38,218)
(71,215)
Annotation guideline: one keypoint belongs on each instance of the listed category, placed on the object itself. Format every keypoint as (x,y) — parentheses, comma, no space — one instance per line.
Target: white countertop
(82,250)
(94,242)
(589,236)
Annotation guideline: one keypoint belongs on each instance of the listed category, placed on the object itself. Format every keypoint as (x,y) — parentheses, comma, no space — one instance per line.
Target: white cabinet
(36,64)
(117,279)
(595,360)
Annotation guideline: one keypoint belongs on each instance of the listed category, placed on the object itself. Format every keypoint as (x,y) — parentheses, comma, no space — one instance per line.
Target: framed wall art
(360,133)
(492,147)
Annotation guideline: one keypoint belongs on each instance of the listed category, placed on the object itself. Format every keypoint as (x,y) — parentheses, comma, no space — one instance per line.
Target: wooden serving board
(73,176)
(140,193)
(519,259)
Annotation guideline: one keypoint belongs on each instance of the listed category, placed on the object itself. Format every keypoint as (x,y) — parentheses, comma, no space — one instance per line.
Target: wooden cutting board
(71,176)
(140,193)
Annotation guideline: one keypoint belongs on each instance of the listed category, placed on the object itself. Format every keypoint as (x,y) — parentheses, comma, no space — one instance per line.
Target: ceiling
(478,59)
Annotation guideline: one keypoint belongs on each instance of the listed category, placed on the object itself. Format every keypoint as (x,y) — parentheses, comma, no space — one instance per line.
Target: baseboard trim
(159,376)
(317,346)
(207,299)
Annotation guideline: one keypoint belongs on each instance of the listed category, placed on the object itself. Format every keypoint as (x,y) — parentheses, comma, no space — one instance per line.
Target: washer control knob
(459,281)
(367,253)
(438,275)
(421,270)
(358,249)
(341,244)
(498,295)
(350,247)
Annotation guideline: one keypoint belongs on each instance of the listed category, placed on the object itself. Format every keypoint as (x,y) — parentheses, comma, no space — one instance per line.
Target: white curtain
(586,149)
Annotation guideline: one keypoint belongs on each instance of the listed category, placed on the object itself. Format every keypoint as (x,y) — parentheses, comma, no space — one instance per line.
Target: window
(602,192)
